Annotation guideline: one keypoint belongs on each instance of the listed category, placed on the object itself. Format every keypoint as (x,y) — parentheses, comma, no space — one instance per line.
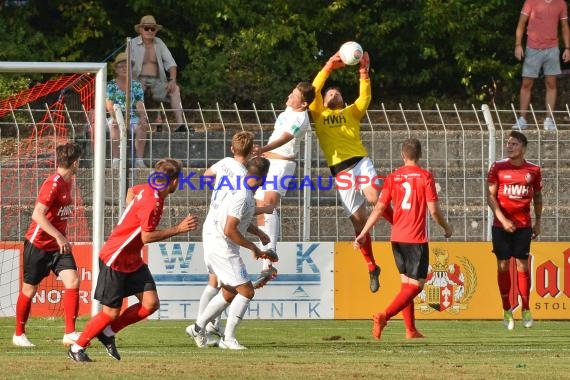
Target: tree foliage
(234,51)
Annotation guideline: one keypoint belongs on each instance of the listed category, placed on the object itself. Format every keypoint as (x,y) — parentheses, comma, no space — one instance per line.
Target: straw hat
(121,57)
(147,20)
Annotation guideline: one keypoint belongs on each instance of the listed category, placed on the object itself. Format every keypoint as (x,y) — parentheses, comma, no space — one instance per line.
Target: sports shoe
(508,320)
(231,344)
(549,124)
(212,340)
(413,334)
(379,324)
(521,123)
(79,356)
(527,319)
(21,341)
(109,343)
(69,339)
(264,277)
(199,337)
(374,280)
(139,163)
(212,329)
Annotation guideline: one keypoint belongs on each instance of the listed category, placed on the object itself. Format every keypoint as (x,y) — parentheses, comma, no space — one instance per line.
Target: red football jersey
(122,250)
(55,193)
(409,188)
(517,185)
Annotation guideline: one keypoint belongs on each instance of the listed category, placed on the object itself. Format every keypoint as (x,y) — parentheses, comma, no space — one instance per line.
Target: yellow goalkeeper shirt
(338,131)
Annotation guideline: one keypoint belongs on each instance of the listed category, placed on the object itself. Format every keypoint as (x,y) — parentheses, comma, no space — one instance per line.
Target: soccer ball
(350,53)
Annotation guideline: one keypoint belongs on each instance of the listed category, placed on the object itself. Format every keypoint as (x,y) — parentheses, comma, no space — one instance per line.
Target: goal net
(32,124)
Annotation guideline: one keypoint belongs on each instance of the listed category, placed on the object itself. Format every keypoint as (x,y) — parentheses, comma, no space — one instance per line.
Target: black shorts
(113,286)
(511,244)
(412,259)
(38,263)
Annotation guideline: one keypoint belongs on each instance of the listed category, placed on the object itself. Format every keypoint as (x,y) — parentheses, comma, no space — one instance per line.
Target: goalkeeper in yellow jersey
(338,131)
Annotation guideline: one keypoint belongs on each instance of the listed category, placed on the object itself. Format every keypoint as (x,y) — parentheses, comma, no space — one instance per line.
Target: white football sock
(215,308)
(236,312)
(208,293)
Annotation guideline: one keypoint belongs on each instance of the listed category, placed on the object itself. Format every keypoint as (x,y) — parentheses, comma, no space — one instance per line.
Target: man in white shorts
(281,150)
(229,217)
(338,130)
(224,176)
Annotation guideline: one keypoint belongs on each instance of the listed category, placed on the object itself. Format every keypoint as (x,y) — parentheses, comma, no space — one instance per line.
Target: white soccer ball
(350,53)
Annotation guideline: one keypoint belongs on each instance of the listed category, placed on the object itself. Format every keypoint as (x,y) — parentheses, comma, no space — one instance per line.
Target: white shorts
(280,174)
(351,183)
(227,265)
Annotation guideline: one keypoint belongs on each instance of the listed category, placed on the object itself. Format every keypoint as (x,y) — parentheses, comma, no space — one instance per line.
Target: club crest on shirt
(449,286)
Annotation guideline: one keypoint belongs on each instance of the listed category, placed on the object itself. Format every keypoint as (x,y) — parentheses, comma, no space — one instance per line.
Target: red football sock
(408,314)
(524,288)
(93,328)
(70,307)
(367,253)
(504,281)
(407,294)
(131,315)
(23,307)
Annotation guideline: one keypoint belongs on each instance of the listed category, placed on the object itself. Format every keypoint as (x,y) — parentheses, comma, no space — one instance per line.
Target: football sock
(70,307)
(214,308)
(407,294)
(272,227)
(132,314)
(366,250)
(523,280)
(236,312)
(504,281)
(23,307)
(409,317)
(93,327)
(265,263)
(207,295)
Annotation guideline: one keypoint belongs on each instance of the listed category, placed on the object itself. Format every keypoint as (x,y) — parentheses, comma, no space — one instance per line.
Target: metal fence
(458,146)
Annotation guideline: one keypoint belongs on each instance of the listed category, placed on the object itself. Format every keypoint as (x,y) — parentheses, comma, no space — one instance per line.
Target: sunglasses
(149,29)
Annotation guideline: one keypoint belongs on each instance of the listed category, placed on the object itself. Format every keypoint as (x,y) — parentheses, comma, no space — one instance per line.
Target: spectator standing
(541,19)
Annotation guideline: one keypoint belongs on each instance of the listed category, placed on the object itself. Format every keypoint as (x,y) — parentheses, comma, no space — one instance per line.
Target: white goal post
(99,136)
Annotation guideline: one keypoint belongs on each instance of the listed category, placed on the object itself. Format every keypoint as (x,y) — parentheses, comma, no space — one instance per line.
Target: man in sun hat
(151,61)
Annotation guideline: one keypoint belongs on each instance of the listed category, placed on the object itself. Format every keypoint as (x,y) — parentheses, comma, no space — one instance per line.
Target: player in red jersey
(411,190)
(122,272)
(513,184)
(46,247)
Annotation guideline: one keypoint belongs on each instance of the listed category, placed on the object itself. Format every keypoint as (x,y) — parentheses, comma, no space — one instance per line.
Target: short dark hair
(67,154)
(307,91)
(519,136)
(412,149)
(169,166)
(258,166)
